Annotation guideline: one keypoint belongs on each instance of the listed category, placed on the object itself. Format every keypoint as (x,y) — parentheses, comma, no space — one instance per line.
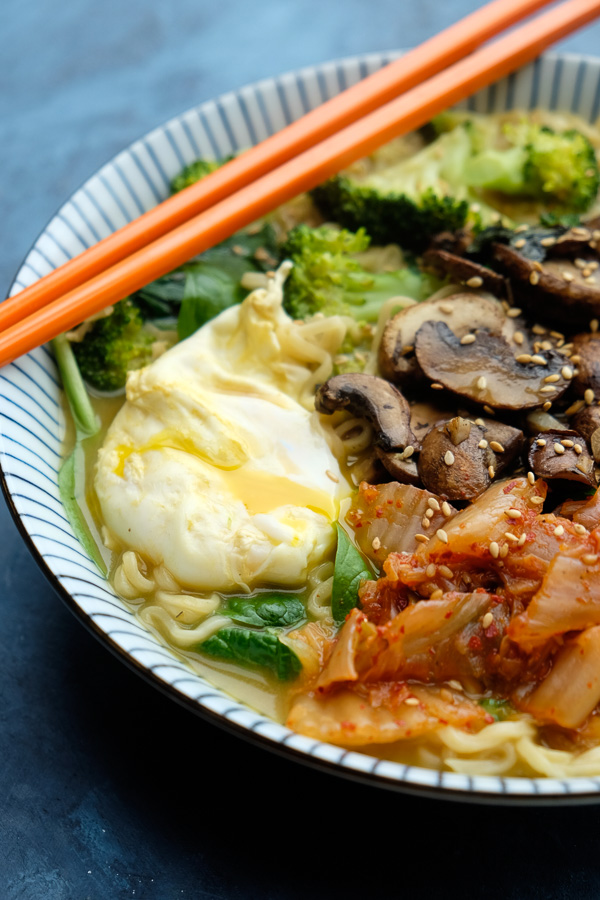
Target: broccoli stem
(86,420)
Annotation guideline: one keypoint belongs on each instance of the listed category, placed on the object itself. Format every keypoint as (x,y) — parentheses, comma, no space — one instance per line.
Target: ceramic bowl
(32,422)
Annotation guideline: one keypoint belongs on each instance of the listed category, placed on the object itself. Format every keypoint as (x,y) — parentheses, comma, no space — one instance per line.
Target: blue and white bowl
(32,422)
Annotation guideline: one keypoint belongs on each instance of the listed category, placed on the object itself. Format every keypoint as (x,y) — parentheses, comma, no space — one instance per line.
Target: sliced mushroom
(587,422)
(463,312)
(465,271)
(402,469)
(563,291)
(459,462)
(374,399)
(486,371)
(586,350)
(552,456)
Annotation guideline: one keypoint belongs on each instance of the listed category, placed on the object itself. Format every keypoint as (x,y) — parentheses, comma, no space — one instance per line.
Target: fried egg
(214,467)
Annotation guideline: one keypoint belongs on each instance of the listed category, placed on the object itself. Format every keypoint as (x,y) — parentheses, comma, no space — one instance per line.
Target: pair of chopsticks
(399,98)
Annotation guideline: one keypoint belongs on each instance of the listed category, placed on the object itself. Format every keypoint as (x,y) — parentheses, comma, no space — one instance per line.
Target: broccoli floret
(408,201)
(113,346)
(195,171)
(327,278)
(558,169)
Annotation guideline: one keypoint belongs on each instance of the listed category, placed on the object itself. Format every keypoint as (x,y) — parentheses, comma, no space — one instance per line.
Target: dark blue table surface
(107,789)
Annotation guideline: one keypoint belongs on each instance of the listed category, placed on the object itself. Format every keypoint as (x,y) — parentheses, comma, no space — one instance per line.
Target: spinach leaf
(498,709)
(350,570)
(212,281)
(270,609)
(253,648)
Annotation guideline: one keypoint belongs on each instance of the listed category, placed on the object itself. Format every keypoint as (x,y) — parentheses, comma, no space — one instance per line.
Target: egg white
(213,467)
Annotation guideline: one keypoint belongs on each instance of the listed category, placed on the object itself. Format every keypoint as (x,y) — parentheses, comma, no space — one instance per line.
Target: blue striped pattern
(32,424)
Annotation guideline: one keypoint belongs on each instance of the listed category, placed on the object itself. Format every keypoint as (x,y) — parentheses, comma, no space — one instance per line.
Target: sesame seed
(437,386)
(520,243)
(332,476)
(589,559)
(511,537)
(446,308)
(537,500)
(487,620)
(576,359)
(489,410)
(513,513)
(411,701)
(518,337)
(442,536)
(534,278)
(432,503)
(557,334)
(546,345)
(567,443)
(446,572)
(558,448)
(541,442)
(408,452)
(520,228)
(422,538)
(566,372)
(425,523)
(589,396)
(514,313)
(449,458)
(539,360)
(375,543)
(552,379)
(596,234)
(578,448)
(567,276)
(446,511)
(474,282)
(547,405)
(522,540)
(479,422)
(531,478)
(594,325)
(587,272)
(467,339)
(538,329)
(491,472)
(497,446)
(559,531)
(581,232)
(575,408)
(579,529)
(437,594)
(455,685)
(548,242)
(430,570)
(580,263)
(494,549)
(549,389)
(481,383)
(482,444)
(429,513)
(523,358)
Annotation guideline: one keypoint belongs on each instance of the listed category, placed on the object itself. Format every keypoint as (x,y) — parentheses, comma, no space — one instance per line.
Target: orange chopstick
(410,70)
(302,173)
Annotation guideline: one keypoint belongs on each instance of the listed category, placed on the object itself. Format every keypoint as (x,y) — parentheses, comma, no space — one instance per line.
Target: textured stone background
(108,790)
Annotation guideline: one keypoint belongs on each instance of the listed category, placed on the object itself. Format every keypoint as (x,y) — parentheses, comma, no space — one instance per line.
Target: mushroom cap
(463,312)
(371,398)
(587,348)
(556,287)
(486,371)
(586,422)
(547,461)
(462,269)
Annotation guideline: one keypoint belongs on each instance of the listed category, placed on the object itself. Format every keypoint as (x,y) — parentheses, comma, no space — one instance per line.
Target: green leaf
(267,609)
(69,475)
(253,648)
(87,424)
(498,709)
(350,570)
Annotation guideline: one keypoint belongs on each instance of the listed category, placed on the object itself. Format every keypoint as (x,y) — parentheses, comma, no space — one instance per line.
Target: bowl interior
(32,420)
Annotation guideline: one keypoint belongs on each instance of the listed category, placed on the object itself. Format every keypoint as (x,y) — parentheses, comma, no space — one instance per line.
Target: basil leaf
(268,609)
(253,648)
(350,570)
